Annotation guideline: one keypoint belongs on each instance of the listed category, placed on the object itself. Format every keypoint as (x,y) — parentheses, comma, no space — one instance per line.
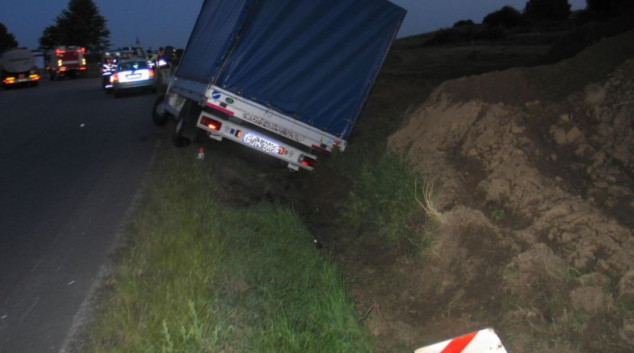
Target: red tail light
(308,162)
(114,78)
(210,123)
(320,149)
(151,73)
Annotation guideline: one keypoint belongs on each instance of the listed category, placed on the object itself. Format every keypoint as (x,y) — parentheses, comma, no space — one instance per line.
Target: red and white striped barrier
(484,341)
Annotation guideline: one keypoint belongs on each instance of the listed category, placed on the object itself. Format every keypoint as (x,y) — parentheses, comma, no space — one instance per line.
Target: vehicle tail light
(9,80)
(320,149)
(151,73)
(34,77)
(114,78)
(308,161)
(210,123)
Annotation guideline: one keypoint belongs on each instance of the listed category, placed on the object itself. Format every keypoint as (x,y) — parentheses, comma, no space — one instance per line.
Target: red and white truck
(66,61)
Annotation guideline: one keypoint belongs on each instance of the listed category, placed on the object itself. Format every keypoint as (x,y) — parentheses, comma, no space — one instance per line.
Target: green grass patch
(197,276)
(385,199)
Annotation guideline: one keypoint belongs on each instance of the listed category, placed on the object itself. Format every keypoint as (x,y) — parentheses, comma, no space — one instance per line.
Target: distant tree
(547,10)
(7,40)
(80,24)
(507,16)
(608,6)
(49,38)
(463,23)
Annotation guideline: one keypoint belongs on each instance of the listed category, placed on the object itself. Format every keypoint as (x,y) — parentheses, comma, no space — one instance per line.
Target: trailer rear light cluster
(321,149)
(236,133)
(211,123)
(307,161)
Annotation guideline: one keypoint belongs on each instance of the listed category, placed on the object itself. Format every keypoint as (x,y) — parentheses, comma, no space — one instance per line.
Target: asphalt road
(71,161)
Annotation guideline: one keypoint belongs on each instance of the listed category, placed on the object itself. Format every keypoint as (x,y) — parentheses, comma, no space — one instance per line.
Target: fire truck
(66,61)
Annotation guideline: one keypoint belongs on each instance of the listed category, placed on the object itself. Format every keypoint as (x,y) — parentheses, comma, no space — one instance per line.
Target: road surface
(71,161)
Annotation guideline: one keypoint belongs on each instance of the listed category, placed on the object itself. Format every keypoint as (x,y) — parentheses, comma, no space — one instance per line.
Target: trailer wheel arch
(186,130)
(159,115)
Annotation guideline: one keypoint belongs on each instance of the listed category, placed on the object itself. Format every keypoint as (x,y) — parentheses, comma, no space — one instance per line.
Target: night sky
(158,25)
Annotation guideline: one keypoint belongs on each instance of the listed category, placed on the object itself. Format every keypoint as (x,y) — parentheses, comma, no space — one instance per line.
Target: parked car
(131,75)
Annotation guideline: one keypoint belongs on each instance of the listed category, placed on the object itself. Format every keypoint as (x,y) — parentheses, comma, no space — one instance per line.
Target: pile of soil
(533,172)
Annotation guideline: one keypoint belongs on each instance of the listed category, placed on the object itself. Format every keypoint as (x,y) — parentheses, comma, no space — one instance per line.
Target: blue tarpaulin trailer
(296,72)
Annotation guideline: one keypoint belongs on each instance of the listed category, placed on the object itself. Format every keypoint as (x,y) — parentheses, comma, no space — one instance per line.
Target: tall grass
(385,199)
(196,276)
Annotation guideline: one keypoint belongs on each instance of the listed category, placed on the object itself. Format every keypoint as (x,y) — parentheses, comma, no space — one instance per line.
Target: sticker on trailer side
(280,130)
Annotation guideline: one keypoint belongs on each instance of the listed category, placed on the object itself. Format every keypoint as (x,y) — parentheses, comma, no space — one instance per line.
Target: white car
(133,74)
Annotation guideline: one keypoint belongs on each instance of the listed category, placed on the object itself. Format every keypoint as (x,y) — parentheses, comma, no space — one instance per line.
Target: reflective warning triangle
(484,341)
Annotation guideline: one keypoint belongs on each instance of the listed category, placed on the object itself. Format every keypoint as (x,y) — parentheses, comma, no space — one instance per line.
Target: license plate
(260,143)
(132,77)
(21,76)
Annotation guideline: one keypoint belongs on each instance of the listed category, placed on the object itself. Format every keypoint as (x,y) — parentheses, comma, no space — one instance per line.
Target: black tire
(159,115)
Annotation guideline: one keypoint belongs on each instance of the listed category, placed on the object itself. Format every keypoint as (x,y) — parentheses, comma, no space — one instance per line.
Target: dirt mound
(535,168)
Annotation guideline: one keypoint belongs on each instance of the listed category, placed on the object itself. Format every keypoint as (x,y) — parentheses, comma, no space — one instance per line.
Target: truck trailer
(17,67)
(288,78)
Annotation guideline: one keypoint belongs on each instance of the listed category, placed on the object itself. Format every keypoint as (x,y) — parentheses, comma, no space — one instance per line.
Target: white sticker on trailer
(280,130)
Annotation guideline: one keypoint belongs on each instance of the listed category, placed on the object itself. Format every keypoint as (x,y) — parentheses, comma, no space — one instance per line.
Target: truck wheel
(159,115)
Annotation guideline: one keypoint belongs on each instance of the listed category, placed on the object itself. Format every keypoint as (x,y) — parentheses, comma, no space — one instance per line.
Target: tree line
(544,11)
(80,24)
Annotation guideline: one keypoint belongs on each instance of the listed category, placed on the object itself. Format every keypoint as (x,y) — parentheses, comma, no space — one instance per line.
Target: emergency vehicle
(66,61)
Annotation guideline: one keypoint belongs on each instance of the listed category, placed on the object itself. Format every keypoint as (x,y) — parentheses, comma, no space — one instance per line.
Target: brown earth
(533,173)
(532,170)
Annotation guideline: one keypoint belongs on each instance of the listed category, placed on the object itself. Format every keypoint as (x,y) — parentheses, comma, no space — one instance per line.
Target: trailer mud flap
(189,115)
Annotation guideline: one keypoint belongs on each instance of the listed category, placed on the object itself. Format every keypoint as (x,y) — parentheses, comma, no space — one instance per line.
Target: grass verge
(386,199)
(197,276)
